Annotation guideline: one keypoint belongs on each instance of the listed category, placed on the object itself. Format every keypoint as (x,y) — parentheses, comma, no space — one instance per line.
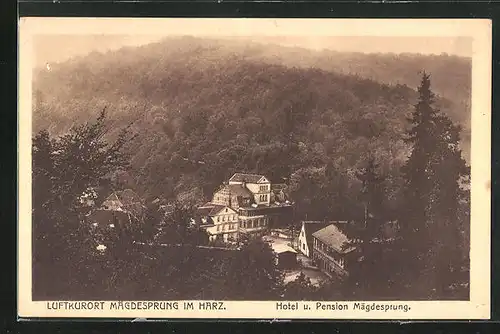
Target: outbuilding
(286,256)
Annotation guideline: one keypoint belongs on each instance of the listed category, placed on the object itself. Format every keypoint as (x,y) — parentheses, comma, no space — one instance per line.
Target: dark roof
(216,209)
(204,211)
(124,201)
(333,237)
(211,210)
(239,190)
(240,177)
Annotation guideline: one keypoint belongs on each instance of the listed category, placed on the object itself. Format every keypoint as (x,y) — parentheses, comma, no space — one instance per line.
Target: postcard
(201,168)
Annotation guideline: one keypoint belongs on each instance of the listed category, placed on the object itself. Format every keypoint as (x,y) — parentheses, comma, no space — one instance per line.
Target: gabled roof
(125,200)
(312,226)
(204,211)
(239,190)
(309,228)
(218,208)
(251,178)
(280,248)
(333,237)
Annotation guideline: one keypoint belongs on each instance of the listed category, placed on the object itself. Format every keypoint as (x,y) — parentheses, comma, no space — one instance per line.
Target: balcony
(328,258)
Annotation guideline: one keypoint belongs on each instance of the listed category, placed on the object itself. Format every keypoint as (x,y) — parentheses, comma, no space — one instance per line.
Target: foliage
(189,102)
(65,170)
(300,289)
(202,113)
(178,227)
(434,173)
(253,273)
(369,267)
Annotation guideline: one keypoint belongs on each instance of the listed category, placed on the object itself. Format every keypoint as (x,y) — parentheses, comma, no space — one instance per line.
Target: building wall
(261,192)
(254,224)
(247,221)
(304,247)
(221,197)
(327,260)
(226,225)
(225,216)
(287,260)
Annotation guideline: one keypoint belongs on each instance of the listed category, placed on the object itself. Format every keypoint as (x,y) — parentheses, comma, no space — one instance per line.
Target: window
(263,188)
(218,219)
(223,218)
(304,246)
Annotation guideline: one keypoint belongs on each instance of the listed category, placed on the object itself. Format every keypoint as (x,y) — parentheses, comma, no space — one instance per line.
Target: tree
(253,273)
(448,197)
(369,273)
(300,289)
(433,196)
(178,227)
(417,172)
(64,169)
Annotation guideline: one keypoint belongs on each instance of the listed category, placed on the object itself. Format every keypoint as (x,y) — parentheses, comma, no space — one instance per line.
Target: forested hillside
(204,109)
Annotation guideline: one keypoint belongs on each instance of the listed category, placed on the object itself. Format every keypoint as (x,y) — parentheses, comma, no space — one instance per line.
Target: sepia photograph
(221,161)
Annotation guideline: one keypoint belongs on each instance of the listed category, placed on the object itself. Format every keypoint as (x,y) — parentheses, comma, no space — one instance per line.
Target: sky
(59,48)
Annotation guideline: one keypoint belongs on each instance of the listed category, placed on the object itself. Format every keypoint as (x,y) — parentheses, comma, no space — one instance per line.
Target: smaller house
(331,251)
(120,209)
(305,242)
(125,200)
(286,256)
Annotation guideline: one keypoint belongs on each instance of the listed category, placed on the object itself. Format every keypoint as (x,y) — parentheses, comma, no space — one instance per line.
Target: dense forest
(176,118)
(203,109)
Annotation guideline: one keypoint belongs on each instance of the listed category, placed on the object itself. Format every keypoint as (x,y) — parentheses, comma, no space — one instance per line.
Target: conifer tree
(430,231)
(450,175)
(417,173)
